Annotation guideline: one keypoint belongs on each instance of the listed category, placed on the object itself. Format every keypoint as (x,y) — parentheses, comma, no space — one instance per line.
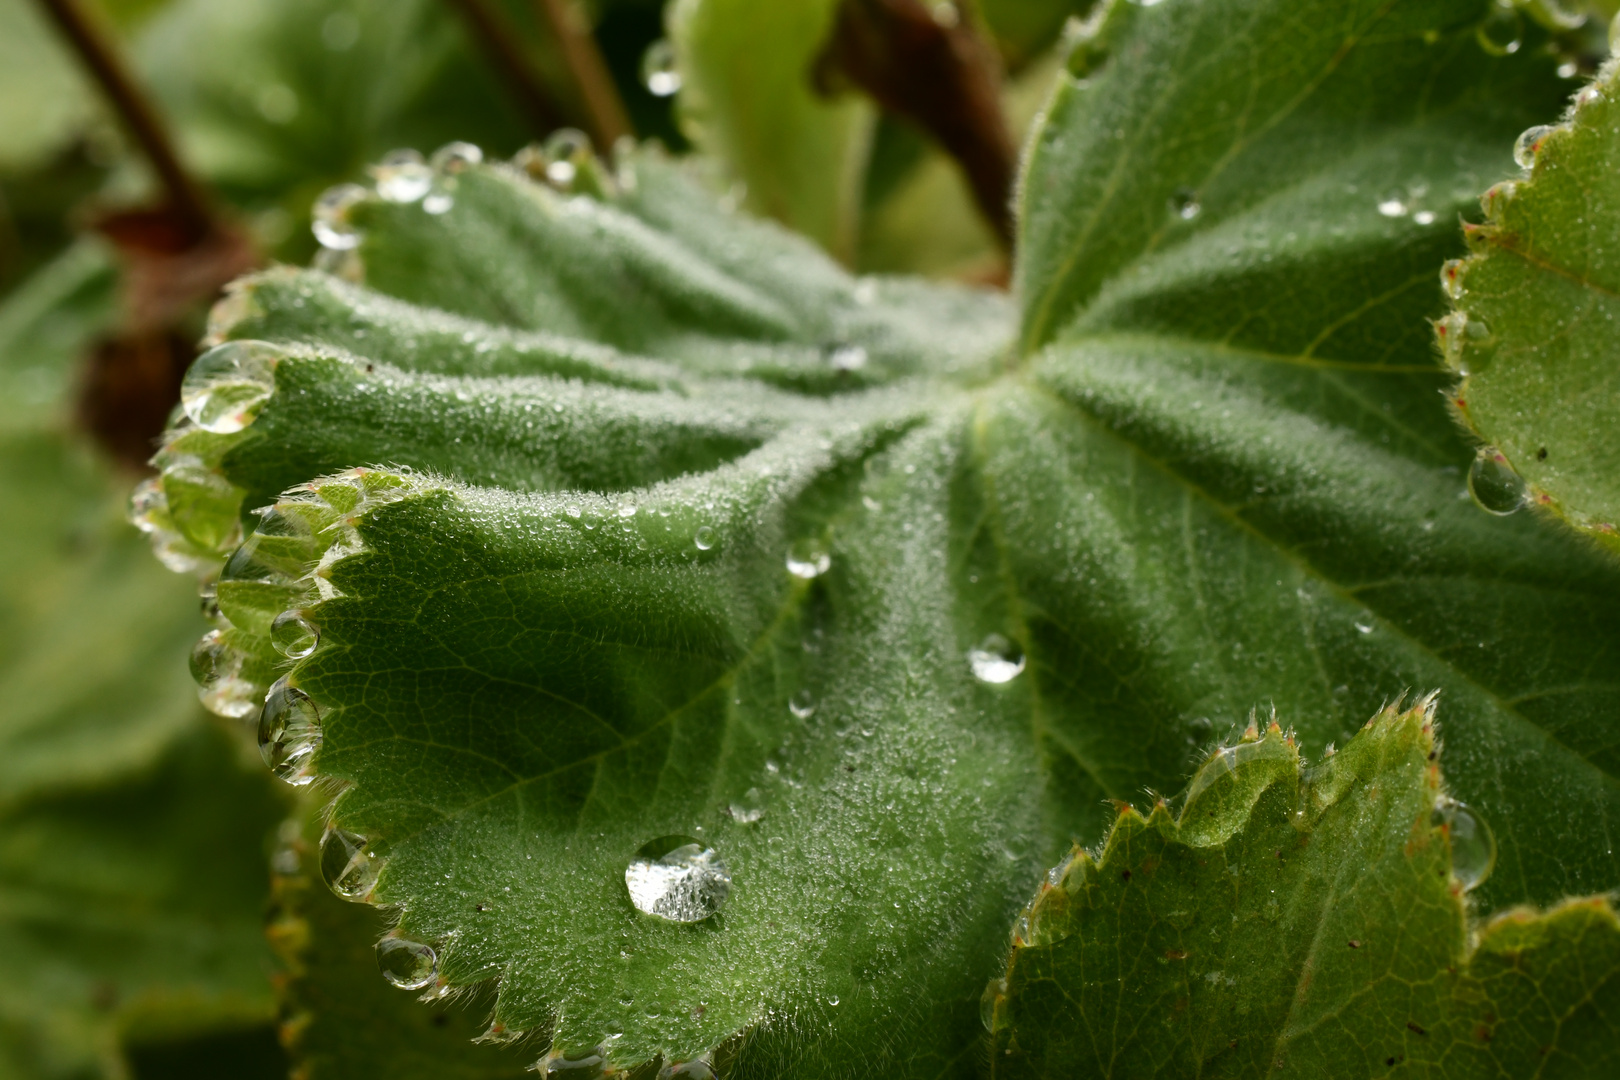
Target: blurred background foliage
(143,850)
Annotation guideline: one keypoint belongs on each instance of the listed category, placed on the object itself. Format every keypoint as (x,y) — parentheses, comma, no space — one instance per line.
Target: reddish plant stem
(496,36)
(186,196)
(608,118)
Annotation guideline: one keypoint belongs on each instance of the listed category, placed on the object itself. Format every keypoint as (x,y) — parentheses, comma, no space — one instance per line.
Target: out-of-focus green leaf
(1024,29)
(44,98)
(747,99)
(342,1021)
(1534,332)
(46,325)
(134,905)
(1303,922)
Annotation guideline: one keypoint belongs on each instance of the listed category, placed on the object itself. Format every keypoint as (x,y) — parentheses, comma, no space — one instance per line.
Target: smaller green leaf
(342,1021)
(1312,921)
(1534,329)
(747,100)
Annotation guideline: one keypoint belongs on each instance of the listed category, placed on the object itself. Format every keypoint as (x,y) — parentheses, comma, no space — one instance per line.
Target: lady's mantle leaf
(1303,922)
(1534,331)
(690,536)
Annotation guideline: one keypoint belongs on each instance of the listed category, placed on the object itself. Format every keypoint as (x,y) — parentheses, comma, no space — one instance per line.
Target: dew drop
(696,1069)
(845,357)
(703,538)
(409,965)
(1495,486)
(996,660)
(454,157)
(348,865)
(330,217)
(217,667)
(1529,143)
(1184,204)
(659,72)
(677,878)
(1365,627)
(807,559)
(402,176)
(1423,217)
(750,808)
(289,732)
(208,604)
(802,705)
(438,203)
(294,636)
(995,992)
(226,386)
(565,150)
(1393,205)
(1473,848)
(1502,32)
(584,1065)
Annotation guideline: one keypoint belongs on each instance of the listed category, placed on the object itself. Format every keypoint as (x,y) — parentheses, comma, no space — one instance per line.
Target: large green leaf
(1533,332)
(673,523)
(1309,921)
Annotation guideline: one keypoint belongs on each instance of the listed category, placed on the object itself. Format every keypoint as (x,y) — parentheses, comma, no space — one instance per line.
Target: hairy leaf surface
(1533,333)
(672,529)
(1302,921)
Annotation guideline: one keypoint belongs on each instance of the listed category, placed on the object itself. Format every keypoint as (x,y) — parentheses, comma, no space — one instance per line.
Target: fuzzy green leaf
(1533,331)
(1303,922)
(676,529)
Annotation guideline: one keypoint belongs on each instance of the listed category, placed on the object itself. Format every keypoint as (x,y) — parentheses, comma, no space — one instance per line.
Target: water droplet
(845,357)
(1502,32)
(1529,143)
(217,667)
(1494,484)
(696,1069)
(294,636)
(995,993)
(348,865)
(750,808)
(454,157)
(208,604)
(659,72)
(1393,204)
(289,732)
(1366,626)
(580,1065)
(628,510)
(1423,217)
(807,559)
(1473,848)
(407,964)
(402,176)
(1184,204)
(226,386)
(802,705)
(996,660)
(565,150)
(703,538)
(677,878)
(1451,278)
(438,203)
(330,222)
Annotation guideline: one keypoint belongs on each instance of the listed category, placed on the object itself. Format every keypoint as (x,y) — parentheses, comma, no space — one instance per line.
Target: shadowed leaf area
(713,647)
(1534,327)
(1303,921)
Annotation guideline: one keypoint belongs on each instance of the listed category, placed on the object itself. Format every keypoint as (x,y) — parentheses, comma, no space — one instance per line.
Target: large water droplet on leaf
(1493,483)
(996,660)
(1528,144)
(677,878)
(1184,204)
(704,537)
(348,865)
(294,636)
(659,73)
(580,1065)
(808,559)
(402,176)
(217,667)
(225,387)
(289,732)
(330,218)
(750,808)
(454,157)
(1473,848)
(696,1069)
(566,150)
(407,964)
